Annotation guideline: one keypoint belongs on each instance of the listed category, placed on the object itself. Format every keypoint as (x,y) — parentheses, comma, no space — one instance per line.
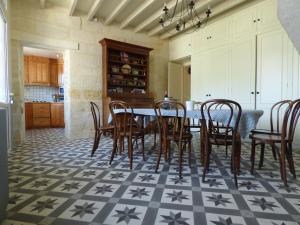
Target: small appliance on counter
(58,97)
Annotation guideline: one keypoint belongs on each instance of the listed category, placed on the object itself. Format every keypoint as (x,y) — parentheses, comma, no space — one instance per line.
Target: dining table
(248,121)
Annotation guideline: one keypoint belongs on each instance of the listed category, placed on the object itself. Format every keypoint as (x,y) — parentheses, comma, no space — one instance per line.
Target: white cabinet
(242,72)
(208,80)
(211,36)
(267,18)
(180,47)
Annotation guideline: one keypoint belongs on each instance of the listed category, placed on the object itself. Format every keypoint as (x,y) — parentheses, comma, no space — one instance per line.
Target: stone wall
(53,28)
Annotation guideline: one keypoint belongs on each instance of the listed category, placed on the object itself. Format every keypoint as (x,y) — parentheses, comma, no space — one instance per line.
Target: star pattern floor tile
(53,180)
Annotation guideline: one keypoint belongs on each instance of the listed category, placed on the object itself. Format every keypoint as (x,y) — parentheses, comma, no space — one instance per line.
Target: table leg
(202,140)
(238,152)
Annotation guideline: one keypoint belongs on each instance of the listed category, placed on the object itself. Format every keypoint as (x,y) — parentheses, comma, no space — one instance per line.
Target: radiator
(3,164)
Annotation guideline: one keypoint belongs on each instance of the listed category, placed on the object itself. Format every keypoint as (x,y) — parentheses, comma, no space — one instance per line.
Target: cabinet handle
(252,92)
(257,92)
(258,20)
(254,21)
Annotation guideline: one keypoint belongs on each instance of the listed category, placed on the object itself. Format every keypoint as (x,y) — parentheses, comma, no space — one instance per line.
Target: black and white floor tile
(53,180)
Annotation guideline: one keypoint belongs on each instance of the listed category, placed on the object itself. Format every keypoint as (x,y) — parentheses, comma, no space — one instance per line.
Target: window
(3,60)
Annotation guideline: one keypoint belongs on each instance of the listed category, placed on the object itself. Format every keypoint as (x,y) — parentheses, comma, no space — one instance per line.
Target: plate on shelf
(126,69)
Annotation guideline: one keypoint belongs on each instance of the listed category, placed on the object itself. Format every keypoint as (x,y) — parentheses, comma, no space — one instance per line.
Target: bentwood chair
(171,128)
(125,128)
(221,132)
(194,124)
(276,112)
(282,140)
(99,130)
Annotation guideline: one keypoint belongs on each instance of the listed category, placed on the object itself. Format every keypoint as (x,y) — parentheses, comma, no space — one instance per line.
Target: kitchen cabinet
(43,71)
(57,115)
(44,115)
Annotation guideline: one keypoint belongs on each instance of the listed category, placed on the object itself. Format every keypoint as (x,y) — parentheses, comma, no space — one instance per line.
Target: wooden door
(175,80)
(242,72)
(28,115)
(186,84)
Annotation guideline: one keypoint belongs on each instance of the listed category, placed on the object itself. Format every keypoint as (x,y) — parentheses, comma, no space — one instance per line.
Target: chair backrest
(290,121)
(275,114)
(231,117)
(174,123)
(96,115)
(122,116)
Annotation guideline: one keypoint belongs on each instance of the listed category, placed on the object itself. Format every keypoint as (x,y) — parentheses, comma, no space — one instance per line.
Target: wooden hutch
(125,69)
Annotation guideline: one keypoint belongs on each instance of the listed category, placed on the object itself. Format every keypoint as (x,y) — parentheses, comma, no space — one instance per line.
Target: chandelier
(184,17)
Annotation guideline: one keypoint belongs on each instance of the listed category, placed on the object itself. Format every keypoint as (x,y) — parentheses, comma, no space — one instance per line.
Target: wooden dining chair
(125,128)
(171,128)
(99,129)
(282,140)
(276,112)
(221,132)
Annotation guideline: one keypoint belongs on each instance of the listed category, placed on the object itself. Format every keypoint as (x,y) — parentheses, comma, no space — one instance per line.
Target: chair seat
(264,131)
(220,140)
(136,132)
(107,128)
(265,137)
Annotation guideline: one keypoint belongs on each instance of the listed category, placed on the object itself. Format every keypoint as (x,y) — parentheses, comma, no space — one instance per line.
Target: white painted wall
(52,27)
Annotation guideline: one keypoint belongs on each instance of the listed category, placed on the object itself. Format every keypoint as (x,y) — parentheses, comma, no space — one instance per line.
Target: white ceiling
(138,15)
(42,52)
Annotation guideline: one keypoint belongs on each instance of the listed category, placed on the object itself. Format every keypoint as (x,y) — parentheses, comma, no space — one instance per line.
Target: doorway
(179,80)
(43,88)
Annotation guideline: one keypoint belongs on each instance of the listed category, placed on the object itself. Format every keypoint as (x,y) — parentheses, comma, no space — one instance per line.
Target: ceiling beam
(94,9)
(154,17)
(199,5)
(72,7)
(43,4)
(116,12)
(218,9)
(137,12)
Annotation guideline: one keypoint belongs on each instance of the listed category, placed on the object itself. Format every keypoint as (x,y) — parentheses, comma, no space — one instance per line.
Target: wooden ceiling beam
(154,17)
(137,12)
(116,12)
(199,5)
(72,7)
(43,4)
(218,9)
(93,10)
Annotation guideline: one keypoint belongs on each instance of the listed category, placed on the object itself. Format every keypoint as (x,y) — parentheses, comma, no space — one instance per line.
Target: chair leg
(252,156)
(114,150)
(282,164)
(143,147)
(180,159)
(226,150)
(190,152)
(262,154)
(234,164)
(95,143)
(159,156)
(274,152)
(154,136)
(206,160)
(289,155)
(130,151)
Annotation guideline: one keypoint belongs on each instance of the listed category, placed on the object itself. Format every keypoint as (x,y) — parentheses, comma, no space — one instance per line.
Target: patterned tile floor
(54,180)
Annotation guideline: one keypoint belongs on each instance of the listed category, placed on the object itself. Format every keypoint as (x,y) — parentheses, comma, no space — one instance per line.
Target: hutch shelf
(125,69)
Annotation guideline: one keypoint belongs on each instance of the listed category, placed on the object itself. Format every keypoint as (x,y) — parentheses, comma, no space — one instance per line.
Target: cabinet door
(210,37)
(32,69)
(60,68)
(208,80)
(271,75)
(53,74)
(26,70)
(180,47)
(243,23)
(45,78)
(242,72)
(57,115)
(267,18)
